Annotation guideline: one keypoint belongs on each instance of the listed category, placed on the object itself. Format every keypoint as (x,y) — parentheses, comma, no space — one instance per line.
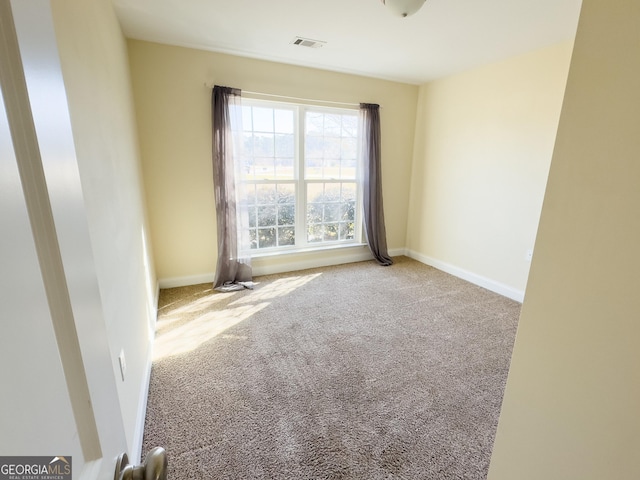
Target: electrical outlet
(123,364)
(529,255)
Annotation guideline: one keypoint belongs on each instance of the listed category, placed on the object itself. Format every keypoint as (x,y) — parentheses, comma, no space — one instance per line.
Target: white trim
(138,437)
(326,261)
(135,453)
(484,282)
(257,255)
(322,261)
(299,180)
(156,299)
(295,100)
(397,252)
(173,282)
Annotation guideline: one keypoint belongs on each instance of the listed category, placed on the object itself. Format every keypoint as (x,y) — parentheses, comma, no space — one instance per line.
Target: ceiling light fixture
(404,8)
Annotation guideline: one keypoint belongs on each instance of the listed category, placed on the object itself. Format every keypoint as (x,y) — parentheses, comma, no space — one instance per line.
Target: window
(300,175)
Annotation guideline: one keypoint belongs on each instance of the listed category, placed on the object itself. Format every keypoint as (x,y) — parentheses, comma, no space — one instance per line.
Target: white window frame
(300,182)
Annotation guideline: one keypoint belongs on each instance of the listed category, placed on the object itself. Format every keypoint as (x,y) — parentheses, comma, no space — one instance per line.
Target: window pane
(315,172)
(313,147)
(262,119)
(349,148)
(286,215)
(331,146)
(266,237)
(283,121)
(265,193)
(348,169)
(247,118)
(315,233)
(348,211)
(250,169)
(250,200)
(314,213)
(314,123)
(332,125)
(286,193)
(313,157)
(332,192)
(284,145)
(252,217)
(332,212)
(286,236)
(264,168)
(247,145)
(266,215)
(272,214)
(330,232)
(263,144)
(346,231)
(285,170)
(348,191)
(350,126)
(270,164)
(250,193)
(315,192)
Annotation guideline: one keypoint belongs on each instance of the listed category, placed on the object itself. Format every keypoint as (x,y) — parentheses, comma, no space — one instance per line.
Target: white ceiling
(363,37)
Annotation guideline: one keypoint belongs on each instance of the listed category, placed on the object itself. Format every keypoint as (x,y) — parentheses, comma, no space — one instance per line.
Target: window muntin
(331,211)
(272,213)
(269,142)
(331,145)
(300,173)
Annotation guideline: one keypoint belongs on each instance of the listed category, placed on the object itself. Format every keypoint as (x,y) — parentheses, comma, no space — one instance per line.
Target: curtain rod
(210,85)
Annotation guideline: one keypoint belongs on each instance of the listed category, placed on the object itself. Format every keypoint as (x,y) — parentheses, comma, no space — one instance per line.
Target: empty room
(299,239)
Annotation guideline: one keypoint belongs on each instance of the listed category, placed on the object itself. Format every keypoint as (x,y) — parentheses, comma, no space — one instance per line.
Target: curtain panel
(372,183)
(233,268)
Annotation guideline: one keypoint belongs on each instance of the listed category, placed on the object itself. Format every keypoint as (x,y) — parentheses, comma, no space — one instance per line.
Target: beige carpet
(349,372)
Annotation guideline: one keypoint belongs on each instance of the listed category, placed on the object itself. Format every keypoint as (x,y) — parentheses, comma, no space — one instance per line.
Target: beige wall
(483,146)
(95,68)
(173,111)
(570,409)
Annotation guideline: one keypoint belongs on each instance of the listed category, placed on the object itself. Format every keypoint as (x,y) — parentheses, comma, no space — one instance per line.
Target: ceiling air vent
(307,42)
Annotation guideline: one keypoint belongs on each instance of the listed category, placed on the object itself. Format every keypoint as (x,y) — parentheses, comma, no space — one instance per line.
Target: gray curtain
(233,271)
(372,184)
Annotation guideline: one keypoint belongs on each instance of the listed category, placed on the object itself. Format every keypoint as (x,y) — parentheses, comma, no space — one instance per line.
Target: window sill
(302,250)
(267,263)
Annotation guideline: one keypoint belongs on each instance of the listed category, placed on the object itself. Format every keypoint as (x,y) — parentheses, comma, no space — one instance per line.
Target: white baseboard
(156,299)
(184,281)
(299,261)
(136,448)
(316,260)
(397,252)
(484,282)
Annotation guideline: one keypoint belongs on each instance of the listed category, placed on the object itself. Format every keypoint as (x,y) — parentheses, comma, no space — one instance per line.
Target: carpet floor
(348,372)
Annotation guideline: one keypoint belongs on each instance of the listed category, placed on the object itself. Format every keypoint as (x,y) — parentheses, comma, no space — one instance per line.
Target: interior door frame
(37,112)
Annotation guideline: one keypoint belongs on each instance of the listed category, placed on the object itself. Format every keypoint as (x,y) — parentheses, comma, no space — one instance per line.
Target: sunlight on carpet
(175,337)
(353,372)
(278,288)
(190,336)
